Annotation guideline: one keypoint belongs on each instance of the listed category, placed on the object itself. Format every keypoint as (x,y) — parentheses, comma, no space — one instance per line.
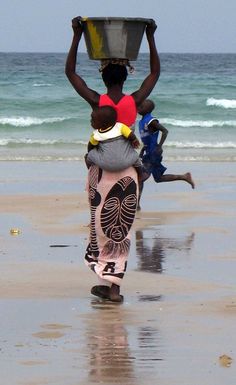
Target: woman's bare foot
(188,178)
(115,295)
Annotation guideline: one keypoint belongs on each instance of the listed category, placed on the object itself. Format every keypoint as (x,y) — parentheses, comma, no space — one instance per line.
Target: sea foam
(29,121)
(198,123)
(223,103)
(40,142)
(42,85)
(198,144)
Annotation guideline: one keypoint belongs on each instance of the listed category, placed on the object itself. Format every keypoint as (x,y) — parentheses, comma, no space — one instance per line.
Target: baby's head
(146,107)
(103,117)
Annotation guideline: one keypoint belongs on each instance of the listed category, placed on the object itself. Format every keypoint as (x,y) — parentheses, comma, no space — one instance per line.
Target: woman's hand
(151,28)
(77,25)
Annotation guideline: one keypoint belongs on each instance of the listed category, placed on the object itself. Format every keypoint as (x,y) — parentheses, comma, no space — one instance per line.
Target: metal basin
(113,37)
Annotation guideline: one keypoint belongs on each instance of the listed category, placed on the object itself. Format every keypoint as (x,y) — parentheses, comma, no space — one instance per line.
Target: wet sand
(177,322)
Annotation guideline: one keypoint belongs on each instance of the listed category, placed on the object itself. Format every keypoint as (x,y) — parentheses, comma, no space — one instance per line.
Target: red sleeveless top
(125,108)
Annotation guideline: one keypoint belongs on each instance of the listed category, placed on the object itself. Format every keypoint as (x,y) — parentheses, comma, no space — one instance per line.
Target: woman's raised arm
(91,96)
(150,81)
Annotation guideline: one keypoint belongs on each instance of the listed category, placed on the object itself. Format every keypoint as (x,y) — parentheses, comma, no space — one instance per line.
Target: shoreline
(178,317)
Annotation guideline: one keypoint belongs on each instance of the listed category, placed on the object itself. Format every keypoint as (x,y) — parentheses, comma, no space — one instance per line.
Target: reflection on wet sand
(151,252)
(150,298)
(111,360)
(148,339)
(119,352)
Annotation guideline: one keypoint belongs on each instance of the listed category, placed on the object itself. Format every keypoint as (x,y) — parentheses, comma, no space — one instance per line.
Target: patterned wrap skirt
(113,201)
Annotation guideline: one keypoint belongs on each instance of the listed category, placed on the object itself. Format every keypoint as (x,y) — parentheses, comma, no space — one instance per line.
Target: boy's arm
(155,126)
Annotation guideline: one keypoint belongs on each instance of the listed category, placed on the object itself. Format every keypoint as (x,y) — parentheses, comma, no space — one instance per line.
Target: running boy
(151,153)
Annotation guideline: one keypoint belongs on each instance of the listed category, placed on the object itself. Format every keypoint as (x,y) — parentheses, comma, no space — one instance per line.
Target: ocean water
(43,119)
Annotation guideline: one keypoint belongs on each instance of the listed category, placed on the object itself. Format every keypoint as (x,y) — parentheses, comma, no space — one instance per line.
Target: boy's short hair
(150,105)
(146,107)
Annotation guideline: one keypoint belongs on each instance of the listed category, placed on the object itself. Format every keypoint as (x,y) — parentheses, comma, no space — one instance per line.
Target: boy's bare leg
(171,178)
(189,179)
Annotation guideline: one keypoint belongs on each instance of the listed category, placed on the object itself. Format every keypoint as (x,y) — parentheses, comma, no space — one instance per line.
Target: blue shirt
(149,140)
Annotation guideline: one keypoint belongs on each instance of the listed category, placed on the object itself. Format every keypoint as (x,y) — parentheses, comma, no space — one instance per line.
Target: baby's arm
(129,134)
(133,140)
(92,143)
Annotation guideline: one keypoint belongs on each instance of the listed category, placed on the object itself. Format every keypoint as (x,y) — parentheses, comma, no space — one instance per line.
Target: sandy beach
(177,323)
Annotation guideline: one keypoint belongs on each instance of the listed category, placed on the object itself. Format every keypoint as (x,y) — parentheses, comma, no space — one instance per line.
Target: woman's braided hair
(114,71)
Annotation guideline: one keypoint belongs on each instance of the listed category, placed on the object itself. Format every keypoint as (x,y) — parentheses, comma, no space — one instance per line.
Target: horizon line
(144,52)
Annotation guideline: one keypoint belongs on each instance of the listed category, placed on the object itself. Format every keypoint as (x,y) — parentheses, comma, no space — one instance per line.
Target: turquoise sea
(43,119)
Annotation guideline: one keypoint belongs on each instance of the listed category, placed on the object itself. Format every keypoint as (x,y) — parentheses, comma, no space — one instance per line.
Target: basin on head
(113,37)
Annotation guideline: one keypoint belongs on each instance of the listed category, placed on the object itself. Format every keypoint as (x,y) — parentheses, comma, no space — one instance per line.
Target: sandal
(116,298)
(114,294)
(101,291)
